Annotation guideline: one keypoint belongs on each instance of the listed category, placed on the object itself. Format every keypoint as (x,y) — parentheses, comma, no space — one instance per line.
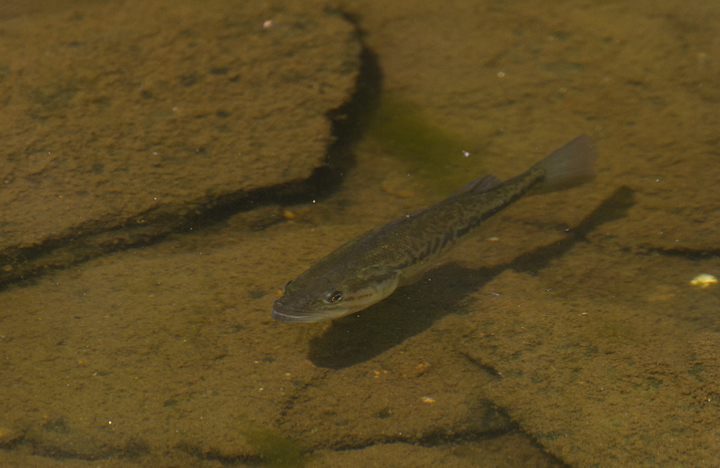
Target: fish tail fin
(569,166)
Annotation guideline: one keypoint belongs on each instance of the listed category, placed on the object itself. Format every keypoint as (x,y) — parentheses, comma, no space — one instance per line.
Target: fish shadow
(413,309)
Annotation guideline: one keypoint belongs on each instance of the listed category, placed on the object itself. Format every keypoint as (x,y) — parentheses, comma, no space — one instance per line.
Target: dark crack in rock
(122,121)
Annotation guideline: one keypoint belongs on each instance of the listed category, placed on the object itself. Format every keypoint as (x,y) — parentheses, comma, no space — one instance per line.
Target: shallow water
(567,332)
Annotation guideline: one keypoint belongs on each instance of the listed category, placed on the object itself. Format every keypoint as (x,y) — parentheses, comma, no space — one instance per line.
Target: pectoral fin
(415,276)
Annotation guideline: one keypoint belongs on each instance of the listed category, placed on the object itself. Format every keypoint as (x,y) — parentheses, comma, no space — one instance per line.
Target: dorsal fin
(481,185)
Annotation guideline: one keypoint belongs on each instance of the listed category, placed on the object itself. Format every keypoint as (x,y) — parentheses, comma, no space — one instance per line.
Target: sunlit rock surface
(121,120)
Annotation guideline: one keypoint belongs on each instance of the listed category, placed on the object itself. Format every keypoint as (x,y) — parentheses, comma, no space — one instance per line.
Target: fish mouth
(285,313)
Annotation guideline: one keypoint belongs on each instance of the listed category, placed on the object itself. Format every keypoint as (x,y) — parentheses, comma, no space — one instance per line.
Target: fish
(370,267)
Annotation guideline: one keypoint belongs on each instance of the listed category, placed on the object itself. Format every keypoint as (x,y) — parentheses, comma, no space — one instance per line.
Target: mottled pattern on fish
(420,239)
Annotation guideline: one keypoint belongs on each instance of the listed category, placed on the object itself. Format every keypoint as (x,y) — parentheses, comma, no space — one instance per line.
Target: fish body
(370,267)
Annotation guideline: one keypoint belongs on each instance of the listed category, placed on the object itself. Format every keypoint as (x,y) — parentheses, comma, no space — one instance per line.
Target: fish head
(318,295)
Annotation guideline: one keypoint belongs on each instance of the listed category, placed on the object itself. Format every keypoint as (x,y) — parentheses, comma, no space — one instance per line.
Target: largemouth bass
(370,267)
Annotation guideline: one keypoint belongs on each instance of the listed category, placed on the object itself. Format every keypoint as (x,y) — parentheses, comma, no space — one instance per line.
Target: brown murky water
(570,333)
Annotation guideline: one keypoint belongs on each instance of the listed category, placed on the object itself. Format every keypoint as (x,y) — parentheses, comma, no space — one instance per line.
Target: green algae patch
(444,159)
(274,450)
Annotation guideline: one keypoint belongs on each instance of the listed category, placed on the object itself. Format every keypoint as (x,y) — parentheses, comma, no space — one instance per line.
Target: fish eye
(333,296)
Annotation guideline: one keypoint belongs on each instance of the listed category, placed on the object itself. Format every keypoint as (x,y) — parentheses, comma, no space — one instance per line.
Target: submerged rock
(121,121)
